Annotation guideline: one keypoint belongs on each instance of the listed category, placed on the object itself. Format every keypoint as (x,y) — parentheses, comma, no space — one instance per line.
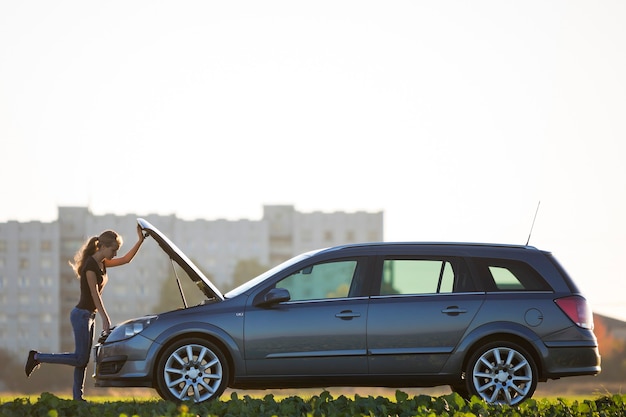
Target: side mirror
(275,296)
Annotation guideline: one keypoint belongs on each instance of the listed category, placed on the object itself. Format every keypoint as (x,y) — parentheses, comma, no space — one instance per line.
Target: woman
(90,265)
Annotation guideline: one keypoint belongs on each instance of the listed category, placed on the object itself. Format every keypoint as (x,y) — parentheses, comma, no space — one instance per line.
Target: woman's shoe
(31,363)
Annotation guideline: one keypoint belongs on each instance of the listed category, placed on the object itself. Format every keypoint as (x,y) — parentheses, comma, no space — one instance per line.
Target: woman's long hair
(107,238)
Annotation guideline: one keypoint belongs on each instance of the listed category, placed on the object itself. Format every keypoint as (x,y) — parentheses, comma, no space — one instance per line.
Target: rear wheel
(460,389)
(192,369)
(501,373)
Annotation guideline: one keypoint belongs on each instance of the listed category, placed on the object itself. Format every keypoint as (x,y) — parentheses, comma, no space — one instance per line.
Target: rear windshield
(508,275)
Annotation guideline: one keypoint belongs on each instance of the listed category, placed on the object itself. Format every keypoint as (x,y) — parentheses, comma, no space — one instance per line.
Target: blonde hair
(107,238)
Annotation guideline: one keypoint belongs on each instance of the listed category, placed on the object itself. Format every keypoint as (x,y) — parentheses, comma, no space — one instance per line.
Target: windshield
(254,281)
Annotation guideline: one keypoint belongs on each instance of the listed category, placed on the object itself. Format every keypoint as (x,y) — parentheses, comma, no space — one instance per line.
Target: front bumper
(127,363)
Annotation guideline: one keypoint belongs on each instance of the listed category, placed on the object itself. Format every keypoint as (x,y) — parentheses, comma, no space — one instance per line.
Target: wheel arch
(507,337)
(503,331)
(227,345)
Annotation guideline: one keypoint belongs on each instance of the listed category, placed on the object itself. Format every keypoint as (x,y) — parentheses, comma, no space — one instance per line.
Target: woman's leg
(85,344)
(82,323)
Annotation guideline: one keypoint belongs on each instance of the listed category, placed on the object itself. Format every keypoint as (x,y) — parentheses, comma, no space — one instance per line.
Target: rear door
(422,308)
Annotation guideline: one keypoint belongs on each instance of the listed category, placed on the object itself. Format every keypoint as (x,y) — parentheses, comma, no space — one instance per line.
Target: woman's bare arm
(92,281)
(129,255)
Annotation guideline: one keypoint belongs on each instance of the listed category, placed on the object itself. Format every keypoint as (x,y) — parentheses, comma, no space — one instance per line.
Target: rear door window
(424,276)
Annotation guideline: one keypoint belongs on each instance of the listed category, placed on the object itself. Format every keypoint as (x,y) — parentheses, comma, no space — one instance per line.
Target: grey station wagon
(487,320)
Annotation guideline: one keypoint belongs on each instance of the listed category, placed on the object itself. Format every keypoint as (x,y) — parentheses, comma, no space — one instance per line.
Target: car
(489,320)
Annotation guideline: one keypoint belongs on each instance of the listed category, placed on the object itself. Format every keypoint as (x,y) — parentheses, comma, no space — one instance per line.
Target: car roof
(465,248)
(429,244)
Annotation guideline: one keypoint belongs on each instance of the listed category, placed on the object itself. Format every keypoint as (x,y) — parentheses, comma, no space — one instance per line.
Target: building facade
(38,288)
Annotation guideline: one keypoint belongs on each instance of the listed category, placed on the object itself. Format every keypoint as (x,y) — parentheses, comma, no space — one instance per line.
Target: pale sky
(453,117)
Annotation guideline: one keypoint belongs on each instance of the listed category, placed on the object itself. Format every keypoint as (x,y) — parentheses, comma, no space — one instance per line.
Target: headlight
(130,328)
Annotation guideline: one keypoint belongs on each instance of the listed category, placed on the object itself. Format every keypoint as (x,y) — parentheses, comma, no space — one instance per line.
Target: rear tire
(192,369)
(461,389)
(501,373)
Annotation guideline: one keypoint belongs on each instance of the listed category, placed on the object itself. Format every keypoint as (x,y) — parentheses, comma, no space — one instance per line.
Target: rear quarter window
(509,275)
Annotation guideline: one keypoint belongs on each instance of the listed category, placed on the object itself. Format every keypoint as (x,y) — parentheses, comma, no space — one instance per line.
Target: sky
(456,119)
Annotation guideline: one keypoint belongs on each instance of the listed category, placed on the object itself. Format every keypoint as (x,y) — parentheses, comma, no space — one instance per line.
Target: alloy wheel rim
(502,376)
(193,372)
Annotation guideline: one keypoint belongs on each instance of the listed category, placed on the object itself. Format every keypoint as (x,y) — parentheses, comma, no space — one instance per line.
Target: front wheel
(192,369)
(501,373)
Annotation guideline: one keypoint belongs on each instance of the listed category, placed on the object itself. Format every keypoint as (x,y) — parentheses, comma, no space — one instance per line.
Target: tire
(192,369)
(461,389)
(501,373)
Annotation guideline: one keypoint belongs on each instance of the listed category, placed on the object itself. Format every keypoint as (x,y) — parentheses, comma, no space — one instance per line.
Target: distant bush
(612,349)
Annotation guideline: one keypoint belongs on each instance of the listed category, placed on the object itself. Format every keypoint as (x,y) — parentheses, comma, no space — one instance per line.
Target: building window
(46,245)
(23,263)
(46,262)
(22,282)
(3,245)
(328,236)
(21,333)
(24,246)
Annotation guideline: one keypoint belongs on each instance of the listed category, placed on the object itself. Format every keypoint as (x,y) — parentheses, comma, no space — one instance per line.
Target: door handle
(453,310)
(347,315)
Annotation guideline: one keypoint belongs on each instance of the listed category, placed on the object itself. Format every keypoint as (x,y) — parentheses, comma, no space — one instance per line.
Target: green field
(322,404)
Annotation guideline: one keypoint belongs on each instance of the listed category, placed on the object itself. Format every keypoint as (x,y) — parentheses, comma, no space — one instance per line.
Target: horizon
(615,310)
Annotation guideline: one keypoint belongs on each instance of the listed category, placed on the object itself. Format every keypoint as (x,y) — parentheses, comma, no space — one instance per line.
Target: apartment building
(29,285)
(38,288)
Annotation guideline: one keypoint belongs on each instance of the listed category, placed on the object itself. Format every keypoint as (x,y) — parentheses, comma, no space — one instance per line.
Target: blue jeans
(83,323)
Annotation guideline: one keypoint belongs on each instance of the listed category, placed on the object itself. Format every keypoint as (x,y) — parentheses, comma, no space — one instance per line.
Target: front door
(320,331)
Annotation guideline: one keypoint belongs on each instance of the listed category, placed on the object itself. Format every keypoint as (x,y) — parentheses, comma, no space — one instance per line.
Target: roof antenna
(533,225)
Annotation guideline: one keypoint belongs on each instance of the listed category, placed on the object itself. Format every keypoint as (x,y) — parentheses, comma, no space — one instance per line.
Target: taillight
(576,308)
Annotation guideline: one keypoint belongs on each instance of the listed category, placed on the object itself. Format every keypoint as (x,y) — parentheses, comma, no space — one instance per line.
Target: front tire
(192,369)
(501,373)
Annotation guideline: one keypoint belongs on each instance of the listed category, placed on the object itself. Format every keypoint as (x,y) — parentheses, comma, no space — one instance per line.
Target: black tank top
(86,300)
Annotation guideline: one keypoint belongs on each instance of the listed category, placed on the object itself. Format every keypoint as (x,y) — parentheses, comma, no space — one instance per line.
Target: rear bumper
(571,361)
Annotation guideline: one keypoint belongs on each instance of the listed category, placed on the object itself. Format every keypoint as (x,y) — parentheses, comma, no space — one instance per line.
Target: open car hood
(201,281)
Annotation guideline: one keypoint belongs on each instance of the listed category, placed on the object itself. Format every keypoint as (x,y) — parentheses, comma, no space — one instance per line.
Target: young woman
(90,265)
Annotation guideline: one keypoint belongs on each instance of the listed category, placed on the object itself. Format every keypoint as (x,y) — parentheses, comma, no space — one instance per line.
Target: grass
(567,389)
(4,398)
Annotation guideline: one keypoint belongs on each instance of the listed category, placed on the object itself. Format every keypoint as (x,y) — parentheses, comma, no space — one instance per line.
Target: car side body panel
(374,330)
(306,338)
(417,334)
